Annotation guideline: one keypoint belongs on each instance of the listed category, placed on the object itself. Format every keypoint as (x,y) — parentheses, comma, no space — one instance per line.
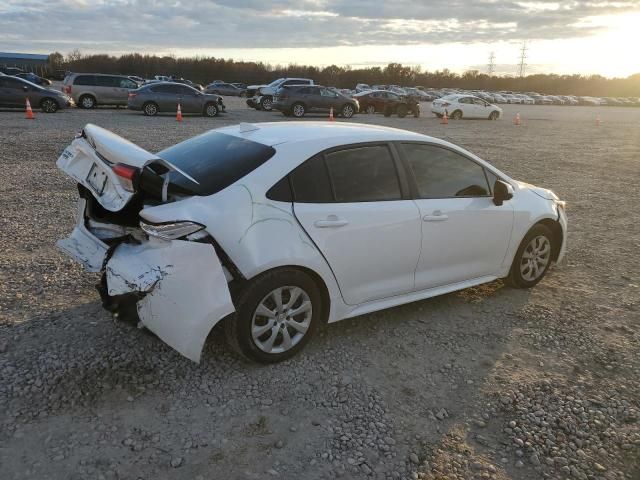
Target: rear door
(354,205)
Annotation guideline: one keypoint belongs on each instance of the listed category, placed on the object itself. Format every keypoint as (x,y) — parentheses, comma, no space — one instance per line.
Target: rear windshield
(215,160)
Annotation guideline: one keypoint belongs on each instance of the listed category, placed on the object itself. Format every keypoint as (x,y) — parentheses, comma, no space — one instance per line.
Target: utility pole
(523,57)
(491,67)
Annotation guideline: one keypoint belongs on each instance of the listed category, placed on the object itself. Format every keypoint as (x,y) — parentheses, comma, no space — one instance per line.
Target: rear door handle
(331,222)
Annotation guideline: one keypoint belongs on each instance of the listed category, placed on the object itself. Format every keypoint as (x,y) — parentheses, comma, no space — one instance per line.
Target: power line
(523,56)
(491,67)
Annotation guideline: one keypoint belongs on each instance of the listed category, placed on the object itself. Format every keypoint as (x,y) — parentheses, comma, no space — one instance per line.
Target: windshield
(275,82)
(215,160)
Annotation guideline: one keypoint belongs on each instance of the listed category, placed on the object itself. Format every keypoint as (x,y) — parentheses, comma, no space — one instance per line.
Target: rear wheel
(298,110)
(277,314)
(457,115)
(494,115)
(402,111)
(150,109)
(211,110)
(348,110)
(48,105)
(532,259)
(87,101)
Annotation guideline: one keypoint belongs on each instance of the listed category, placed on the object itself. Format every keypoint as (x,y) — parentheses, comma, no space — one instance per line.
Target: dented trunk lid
(109,166)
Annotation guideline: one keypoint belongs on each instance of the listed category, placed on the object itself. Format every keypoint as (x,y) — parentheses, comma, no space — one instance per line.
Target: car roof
(278,133)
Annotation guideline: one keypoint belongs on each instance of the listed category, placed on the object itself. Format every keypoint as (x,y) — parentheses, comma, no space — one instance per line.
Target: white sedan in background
(279,227)
(460,106)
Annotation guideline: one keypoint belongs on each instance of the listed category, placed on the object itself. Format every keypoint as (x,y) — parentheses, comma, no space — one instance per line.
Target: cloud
(164,25)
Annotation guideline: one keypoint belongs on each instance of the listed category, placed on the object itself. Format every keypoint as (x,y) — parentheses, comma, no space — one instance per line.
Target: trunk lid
(108,165)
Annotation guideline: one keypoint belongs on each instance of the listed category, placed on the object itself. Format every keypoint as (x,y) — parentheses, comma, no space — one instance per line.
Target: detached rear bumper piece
(185,289)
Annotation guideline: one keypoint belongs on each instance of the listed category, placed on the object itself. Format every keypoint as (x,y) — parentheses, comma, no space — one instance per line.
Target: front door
(351,204)
(464,234)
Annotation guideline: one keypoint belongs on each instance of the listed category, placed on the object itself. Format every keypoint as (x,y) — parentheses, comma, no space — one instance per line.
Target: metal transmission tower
(491,67)
(523,57)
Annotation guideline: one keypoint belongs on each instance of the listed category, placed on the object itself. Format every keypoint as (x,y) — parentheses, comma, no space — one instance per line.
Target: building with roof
(29,62)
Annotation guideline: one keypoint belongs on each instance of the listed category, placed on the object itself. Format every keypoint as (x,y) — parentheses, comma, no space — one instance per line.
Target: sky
(569,36)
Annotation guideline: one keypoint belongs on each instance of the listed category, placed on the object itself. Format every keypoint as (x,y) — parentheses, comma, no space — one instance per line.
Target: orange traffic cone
(598,122)
(179,114)
(331,119)
(445,119)
(516,121)
(30,115)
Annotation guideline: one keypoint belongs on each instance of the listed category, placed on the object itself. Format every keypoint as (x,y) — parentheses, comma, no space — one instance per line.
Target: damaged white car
(277,227)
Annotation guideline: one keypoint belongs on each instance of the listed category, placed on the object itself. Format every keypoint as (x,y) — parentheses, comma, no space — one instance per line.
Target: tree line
(206,69)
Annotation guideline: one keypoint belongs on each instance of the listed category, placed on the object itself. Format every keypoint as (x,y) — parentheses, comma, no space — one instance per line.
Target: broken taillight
(127,173)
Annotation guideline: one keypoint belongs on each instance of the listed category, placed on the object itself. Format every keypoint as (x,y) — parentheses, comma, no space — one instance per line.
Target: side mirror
(502,191)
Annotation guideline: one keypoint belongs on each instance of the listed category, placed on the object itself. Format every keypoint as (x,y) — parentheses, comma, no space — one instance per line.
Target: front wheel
(49,105)
(457,115)
(211,110)
(348,110)
(277,314)
(494,115)
(266,104)
(532,259)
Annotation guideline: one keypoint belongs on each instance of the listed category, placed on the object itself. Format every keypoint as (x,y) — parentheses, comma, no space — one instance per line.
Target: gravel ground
(489,382)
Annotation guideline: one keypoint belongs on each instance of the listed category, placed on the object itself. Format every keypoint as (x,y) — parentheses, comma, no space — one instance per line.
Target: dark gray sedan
(14,91)
(161,97)
(226,89)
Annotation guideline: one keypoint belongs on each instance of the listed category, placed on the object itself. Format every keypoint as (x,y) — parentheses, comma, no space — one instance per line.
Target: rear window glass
(215,160)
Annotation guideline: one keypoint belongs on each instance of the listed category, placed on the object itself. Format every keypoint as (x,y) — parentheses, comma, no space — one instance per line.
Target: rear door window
(310,182)
(106,81)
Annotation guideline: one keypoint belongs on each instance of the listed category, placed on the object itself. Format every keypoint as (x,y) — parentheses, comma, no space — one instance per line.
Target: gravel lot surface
(489,382)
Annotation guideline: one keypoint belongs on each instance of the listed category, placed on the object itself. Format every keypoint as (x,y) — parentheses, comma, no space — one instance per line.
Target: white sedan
(459,106)
(278,227)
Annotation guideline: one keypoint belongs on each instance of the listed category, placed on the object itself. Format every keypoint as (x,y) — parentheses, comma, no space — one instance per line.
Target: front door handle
(437,216)
(332,221)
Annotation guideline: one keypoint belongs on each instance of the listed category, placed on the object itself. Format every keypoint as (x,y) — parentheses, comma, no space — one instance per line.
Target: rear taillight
(132,95)
(67,89)
(128,174)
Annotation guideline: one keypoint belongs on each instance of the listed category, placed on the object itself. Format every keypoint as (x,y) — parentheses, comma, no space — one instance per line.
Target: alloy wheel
(150,109)
(347,111)
(212,110)
(298,110)
(535,258)
(281,319)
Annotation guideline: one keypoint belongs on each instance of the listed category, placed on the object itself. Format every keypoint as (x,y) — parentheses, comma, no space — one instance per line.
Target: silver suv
(91,89)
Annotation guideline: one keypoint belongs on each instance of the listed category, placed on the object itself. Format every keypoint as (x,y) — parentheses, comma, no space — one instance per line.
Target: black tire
(516,278)
(49,105)
(388,111)
(494,115)
(238,328)
(150,109)
(402,110)
(348,110)
(87,101)
(266,103)
(456,115)
(371,109)
(211,110)
(298,110)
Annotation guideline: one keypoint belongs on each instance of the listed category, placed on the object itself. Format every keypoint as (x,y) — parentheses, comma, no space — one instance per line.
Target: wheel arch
(556,231)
